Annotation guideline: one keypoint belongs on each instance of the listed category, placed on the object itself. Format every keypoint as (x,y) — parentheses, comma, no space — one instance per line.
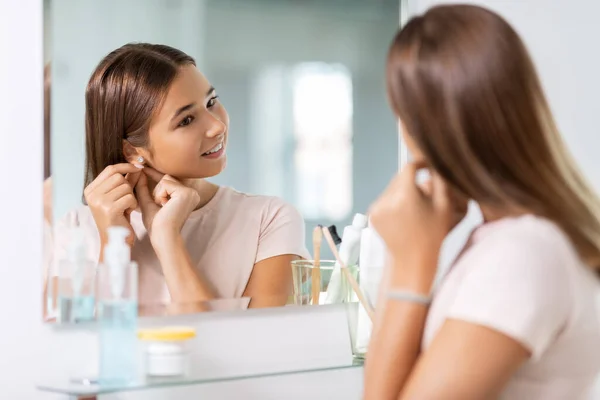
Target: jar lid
(167,334)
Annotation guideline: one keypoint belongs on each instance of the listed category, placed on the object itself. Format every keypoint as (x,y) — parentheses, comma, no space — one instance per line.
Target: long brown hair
(462,82)
(123,94)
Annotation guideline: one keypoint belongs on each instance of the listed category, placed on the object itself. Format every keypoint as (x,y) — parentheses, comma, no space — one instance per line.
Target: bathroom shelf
(82,387)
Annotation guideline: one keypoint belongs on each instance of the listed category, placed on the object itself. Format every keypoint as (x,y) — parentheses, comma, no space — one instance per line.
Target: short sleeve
(282,232)
(519,286)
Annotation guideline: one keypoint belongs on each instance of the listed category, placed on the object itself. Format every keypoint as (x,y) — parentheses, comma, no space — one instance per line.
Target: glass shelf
(88,387)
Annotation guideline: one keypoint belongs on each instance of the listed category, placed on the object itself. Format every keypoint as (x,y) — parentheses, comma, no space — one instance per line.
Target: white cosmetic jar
(166,351)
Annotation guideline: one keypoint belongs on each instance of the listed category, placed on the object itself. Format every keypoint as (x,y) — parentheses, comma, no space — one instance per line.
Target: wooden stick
(316,270)
(349,277)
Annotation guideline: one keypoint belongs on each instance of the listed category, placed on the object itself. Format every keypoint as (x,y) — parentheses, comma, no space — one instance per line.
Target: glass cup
(370,282)
(321,285)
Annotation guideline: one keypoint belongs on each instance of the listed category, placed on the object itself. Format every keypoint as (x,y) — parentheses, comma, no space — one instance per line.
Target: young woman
(155,128)
(516,316)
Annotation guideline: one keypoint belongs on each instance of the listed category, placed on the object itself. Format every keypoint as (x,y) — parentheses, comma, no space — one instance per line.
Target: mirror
(296,132)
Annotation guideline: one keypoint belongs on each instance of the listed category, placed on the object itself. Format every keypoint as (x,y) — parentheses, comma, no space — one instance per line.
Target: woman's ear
(132,154)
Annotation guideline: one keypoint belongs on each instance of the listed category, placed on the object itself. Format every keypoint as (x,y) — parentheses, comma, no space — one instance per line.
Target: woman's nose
(215,127)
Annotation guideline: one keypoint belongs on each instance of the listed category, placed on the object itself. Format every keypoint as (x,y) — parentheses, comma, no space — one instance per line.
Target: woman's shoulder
(523,278)
(267,206)
(282,228)
(526,233)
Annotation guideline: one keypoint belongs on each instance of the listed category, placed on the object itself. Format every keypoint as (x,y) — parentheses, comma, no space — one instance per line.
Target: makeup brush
(349,277)
(316,271)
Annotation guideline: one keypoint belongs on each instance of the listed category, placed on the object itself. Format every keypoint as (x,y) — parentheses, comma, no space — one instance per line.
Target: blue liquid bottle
(117,311)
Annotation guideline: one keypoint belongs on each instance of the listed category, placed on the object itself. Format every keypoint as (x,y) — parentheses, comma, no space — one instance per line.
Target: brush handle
(316,270)
(349,277)
(316,283)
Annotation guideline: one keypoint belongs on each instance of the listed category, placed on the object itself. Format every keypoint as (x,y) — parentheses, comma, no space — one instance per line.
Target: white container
(337,291)
(166,352)
(372,262)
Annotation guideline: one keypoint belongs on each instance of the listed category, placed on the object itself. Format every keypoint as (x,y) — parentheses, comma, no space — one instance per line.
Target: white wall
(21,196)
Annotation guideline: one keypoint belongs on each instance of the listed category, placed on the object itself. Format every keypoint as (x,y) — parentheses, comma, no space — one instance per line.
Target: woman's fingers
(110,184)
(153,174)
(143,193)
(161,194)
(427,187)
(126,204)
(120,191)
(121,169)
(133,177)
(408,175)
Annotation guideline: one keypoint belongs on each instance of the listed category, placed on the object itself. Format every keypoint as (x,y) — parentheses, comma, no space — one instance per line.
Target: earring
(140,159)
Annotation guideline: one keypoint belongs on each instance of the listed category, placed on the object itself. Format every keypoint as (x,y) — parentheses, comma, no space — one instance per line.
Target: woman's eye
(186,121)
(212,101)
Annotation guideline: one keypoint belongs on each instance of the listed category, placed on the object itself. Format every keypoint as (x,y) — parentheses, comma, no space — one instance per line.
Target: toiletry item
(351,280)
(316,272)
(166,353)
(337,291)
(76,282)
(334,234)
(372,263)
(302,280)
(117,310)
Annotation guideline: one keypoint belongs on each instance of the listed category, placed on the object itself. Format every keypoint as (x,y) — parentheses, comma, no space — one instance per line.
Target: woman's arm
(280,242)
(465,361)
(188,289)
(270,283)
(393,349)
(413,221)
(185,284)
(396,340)
(513,298)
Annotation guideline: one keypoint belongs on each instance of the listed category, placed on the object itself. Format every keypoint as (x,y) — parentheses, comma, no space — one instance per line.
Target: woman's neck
(207,190)
(492,213)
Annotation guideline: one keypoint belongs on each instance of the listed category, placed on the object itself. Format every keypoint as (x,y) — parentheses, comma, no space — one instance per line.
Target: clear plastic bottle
(117,311)
(372,262)
(76,279)
(338,290)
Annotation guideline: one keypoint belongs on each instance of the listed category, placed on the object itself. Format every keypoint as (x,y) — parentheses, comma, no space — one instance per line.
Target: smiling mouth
(215,149)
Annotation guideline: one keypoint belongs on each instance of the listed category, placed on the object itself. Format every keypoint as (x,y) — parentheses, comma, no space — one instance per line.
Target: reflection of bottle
(372,263)
(76,295)
(338,290)
(117,310)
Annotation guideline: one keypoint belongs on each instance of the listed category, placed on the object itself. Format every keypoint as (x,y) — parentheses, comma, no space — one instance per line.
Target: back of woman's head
(462,83)
(123,94)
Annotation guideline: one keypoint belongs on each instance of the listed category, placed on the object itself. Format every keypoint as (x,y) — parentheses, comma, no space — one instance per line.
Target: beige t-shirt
(225,238)
(522,277)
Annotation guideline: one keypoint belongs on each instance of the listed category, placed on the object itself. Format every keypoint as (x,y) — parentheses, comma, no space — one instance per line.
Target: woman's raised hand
(111,199)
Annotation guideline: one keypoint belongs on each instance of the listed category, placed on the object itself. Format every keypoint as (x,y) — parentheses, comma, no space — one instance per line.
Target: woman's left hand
(168,207)
(413,221)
